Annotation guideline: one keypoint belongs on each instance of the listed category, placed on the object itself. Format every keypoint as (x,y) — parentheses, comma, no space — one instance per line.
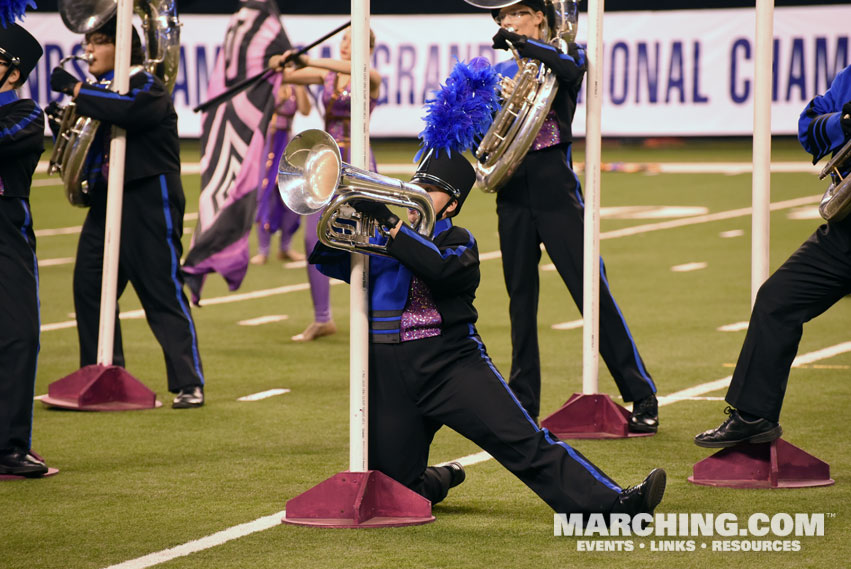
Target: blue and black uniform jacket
(569,69)
(146,113)
(819,129)
(21,143)
(448,264)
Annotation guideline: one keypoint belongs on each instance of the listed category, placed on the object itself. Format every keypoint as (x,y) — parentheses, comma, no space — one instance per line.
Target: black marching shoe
(645,415)
(189,398)
(21,463)
(736,430)
(643,498)
(457,474)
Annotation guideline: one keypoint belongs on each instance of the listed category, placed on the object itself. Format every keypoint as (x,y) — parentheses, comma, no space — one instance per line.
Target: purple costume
(338,113)
(272,214)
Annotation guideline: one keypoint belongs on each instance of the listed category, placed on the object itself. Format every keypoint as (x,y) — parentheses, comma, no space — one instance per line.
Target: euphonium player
(21,144)
(428,366)
(152,216)
(542,203)
(812,280)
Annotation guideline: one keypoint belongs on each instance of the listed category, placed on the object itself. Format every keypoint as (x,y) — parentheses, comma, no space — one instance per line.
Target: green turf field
(136,483)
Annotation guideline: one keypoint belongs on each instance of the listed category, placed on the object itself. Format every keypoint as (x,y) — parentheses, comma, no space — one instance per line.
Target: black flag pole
(265,74)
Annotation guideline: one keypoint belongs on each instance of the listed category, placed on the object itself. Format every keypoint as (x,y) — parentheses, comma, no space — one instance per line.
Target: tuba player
(152,217)
(542,203)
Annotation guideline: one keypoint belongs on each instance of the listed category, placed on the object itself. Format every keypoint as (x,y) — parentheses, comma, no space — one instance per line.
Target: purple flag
(232,138)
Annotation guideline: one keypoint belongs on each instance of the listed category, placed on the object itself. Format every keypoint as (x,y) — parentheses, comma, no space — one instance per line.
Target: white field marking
(274,520)
(264,394)
(55,262)
(139,313)
(490,255)
(734,327)
(39,397)
(263,320)
(804,213)
(218,538)
(696,398)
(47,183)
(688,267)
(548,267)
(650,211)
(295,264)
(730,214)
(77,228)
(731,233)
(567,325)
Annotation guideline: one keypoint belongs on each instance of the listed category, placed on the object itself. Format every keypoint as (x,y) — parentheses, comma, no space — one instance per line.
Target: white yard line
(264,394)
(694,393)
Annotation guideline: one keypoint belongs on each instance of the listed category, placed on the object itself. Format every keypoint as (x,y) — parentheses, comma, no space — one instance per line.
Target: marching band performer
(334,75)
(21,144)
(812,280)
(428,366)
(542,203)
(152,217)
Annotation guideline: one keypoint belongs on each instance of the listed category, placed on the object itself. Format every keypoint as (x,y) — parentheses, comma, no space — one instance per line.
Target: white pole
(115,191)
(359,290)
(591,264)
(761,189)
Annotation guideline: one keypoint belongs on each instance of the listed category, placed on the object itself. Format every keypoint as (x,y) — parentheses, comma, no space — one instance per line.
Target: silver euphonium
(517,123)
(312,176)
(836,203)
(162,57)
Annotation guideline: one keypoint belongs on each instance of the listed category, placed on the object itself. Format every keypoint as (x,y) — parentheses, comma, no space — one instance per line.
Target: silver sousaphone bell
(836,203)
(313,176)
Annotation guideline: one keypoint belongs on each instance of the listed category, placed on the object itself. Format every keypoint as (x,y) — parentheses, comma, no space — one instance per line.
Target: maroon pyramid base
(100,388)
(50,471)
(358,500)
(777,464)
(590,416)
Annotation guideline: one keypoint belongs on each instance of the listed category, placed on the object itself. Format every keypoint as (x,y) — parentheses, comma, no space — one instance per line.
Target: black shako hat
(536,5)
(19,49)
(449,171)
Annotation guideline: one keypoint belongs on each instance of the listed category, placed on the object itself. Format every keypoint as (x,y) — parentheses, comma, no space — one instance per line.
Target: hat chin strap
(439,215)
(9,70)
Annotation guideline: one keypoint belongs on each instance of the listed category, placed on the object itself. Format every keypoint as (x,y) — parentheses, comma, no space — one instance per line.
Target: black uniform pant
(816,276)
(151,229)
(542,203)
(19,323)
(417,386)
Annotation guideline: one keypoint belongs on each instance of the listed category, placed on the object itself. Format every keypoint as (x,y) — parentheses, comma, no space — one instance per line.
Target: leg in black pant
(19,324)
(812,280)
(151,259)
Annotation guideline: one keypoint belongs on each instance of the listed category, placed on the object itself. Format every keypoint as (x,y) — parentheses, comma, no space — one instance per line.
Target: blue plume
(11,10)
(462,109)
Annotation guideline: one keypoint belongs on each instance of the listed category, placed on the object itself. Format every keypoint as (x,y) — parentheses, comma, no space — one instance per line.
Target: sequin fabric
(420,319)
(338,113)
(285,110)
(549,134)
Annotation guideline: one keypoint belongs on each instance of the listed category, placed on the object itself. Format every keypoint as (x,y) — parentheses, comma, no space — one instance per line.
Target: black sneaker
(736,430)
(643,498)
(189,398)
(645,415)
(21,463)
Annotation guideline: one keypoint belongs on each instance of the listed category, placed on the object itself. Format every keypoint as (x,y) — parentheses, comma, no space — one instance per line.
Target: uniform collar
(7,97)
(442,225)
(108,76)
